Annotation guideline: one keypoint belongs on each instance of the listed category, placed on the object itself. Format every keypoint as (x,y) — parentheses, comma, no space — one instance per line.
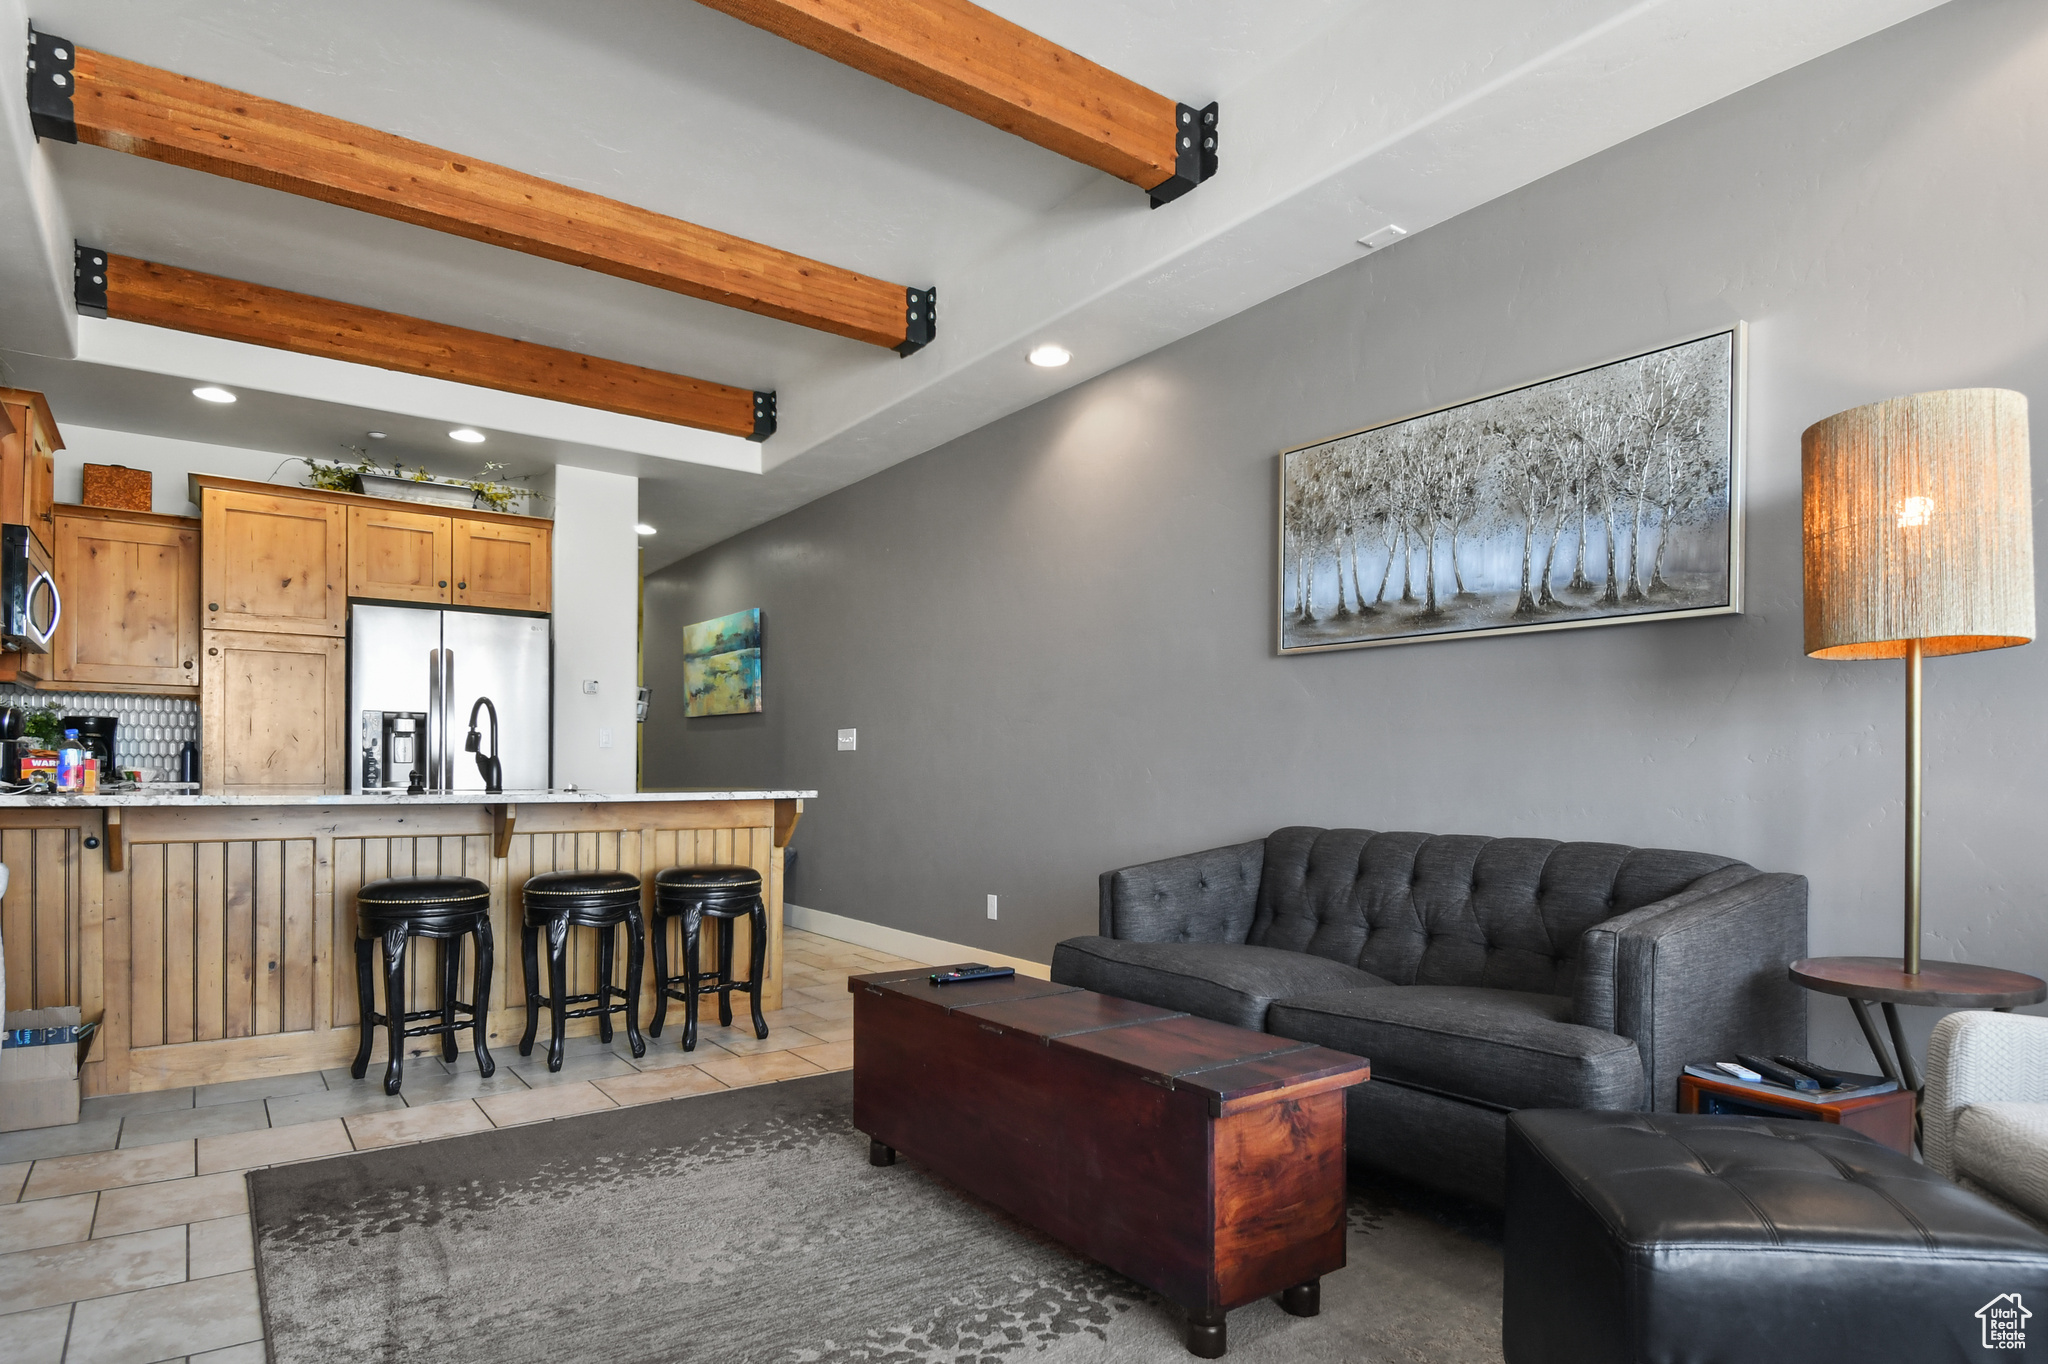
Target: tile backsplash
(152,730)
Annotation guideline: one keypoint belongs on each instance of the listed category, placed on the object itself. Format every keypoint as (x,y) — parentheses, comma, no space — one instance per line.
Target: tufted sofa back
(1423,909)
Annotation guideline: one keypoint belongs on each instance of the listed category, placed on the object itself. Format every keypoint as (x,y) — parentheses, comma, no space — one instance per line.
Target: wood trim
(962,56)
(22,397)
(198,483)
(787,813)
(134,518)
(233,310)
(117,852)
(128,107)
(504,820)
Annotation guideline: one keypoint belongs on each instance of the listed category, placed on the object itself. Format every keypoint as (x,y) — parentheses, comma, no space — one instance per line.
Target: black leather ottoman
(1670,1237)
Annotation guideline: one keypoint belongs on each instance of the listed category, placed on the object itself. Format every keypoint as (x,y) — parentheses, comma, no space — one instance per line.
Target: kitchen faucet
(494,775)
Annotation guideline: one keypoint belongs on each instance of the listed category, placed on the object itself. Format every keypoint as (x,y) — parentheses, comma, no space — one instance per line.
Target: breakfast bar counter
(213,935)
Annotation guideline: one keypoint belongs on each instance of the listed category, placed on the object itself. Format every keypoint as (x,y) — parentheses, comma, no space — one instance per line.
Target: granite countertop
(188,800)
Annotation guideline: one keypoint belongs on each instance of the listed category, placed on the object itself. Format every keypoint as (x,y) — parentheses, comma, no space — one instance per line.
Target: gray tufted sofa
(1478,975)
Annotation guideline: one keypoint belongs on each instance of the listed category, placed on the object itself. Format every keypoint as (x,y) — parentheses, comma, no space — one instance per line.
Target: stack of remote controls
(1804,1079)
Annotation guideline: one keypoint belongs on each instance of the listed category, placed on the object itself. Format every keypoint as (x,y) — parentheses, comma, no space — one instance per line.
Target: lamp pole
(1912,953)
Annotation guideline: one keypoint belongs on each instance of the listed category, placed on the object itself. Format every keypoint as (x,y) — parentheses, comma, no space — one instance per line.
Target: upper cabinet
(273,562)
(130,584)
(28,464)
(502,565)
(398,555)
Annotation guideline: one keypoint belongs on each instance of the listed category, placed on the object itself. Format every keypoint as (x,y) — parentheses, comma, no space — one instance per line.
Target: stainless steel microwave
(29,606)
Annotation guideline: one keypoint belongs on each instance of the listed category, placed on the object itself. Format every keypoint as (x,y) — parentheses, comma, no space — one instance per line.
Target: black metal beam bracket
(89,279)
(50,86)
(920,319)
(1194,153)
(764,414)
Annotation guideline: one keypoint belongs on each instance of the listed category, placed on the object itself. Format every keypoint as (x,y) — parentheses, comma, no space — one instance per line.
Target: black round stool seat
(604,900)
(694,894)
(395,910)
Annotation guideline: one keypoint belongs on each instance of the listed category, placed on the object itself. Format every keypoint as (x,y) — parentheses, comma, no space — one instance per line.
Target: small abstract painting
(1605,495)
(722,665)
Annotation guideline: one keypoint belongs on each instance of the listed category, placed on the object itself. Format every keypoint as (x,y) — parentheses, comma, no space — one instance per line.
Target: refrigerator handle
(448,719)
(436,720)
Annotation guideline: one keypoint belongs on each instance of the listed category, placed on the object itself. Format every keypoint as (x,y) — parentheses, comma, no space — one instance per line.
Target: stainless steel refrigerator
(433,664)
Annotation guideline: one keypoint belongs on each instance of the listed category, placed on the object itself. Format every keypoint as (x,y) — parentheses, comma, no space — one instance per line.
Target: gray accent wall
(1056,635)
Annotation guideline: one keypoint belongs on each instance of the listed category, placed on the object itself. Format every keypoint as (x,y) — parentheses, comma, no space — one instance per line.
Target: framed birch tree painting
(1606,495)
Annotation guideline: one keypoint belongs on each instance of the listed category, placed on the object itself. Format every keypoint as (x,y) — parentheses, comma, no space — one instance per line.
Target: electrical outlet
(604,738)
(991,906)
(846,739)
(590,686)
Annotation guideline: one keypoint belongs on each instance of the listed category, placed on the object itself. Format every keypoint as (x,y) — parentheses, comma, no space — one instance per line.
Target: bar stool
(404,907)
(602,900)
(696,893)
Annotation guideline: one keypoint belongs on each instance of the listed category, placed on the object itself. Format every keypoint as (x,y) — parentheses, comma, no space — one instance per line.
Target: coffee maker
(96,737)
(394,750)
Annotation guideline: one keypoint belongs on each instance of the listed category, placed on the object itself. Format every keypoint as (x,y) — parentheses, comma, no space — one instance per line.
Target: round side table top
(1940,984)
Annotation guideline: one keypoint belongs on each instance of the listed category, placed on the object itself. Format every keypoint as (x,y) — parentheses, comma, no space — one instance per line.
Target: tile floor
(125,1239)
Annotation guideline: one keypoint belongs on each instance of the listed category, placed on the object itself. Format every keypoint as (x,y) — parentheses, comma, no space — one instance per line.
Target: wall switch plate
(991,906)
(604,738)
(846,739)
(590,686)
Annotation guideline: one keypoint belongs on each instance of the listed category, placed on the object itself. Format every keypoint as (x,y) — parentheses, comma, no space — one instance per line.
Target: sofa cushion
(1504,1048)
(1227,982)
(2004,1147)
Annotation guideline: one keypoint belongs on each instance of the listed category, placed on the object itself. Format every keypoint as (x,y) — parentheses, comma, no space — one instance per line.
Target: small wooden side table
(1864,981)
(1886,1118)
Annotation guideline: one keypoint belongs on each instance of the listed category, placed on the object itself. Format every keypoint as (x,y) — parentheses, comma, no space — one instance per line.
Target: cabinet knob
(213,653)
(188,662)
(444,582)
(92,842)
(462,585)
(213,606)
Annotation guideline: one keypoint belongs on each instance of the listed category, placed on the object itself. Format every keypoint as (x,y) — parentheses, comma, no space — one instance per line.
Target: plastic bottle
(69,758)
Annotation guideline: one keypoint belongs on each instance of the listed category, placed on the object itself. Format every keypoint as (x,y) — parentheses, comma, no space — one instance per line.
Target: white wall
(597,628)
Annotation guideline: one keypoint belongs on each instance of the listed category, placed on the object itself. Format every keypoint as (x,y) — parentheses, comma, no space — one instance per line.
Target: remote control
(1779,1075)
(972,971)
(1739,1072)
(1828,1079)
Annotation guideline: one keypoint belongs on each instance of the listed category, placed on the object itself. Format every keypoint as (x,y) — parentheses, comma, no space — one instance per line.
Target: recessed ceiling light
(466,436)
(643,529)
(1050,357)
(210,394)
(375,435)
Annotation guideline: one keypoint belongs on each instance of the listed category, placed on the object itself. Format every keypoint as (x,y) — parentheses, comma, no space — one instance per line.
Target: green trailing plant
(43,727)
(337,476)
(340,476)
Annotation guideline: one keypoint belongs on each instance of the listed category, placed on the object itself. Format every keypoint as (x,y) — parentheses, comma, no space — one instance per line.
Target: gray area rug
(748,1226)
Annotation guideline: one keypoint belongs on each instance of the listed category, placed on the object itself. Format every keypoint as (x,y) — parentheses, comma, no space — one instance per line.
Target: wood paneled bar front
(213,936)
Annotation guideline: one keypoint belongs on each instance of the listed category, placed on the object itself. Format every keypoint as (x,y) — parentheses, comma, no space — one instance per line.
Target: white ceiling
(1338,116)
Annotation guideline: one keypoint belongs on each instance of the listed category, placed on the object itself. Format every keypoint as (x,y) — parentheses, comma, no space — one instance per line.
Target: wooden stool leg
(529,958)
(607,941)
(451,978)
(658,940)
(636,952)
(366,1004)
(394,1006)
(558,987)
(691,921)
(725,935)
(757,961)
(480,996)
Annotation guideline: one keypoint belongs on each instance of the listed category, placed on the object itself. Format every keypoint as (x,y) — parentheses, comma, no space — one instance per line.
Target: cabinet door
(131,601)
(273,563)
(399,555)
(41,492)
(28,462)
(502,566)
(270,710)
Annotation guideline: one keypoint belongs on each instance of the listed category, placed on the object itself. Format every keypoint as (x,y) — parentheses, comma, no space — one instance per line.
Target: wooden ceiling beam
(78,95)
(968,59)
(234,310)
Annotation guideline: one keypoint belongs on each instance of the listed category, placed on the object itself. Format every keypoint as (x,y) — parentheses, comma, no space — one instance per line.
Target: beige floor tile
(252,1353)
(46,1222)
(555,1101)
(225,1245)
(575,1069)
(790,1016)
(667,1050)
(181,1124)
(422,1123)
(109,1170)
(831,1056)
(36,1337)
(128,1105)
(839,1011)
(423,1089)
(262,1087)
(276,1146)
(742,1042)
(92,1269)
(759,1070)
(162,1323)
(668,1083)
(12,1177)
(337,1103)
(71,1139)
(171,1203)
(831,1032)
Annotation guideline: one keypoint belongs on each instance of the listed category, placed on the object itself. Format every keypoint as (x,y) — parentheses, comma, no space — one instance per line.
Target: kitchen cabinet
(271,562)
(397,555)
(130,585)
(270,711)
(23,666)
(502,565)
(28,464)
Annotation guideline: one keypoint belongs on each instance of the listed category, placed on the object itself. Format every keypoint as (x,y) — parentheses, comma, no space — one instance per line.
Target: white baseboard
(895,941)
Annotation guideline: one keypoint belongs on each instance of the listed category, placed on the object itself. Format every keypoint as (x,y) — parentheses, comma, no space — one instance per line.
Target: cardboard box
(39,1084)
(117,486)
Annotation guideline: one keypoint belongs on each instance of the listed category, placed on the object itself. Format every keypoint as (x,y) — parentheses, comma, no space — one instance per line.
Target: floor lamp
(1919,542)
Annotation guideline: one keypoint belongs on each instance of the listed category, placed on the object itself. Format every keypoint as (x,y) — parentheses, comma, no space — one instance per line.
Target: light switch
(590,686)
(846,739)
(604,738)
